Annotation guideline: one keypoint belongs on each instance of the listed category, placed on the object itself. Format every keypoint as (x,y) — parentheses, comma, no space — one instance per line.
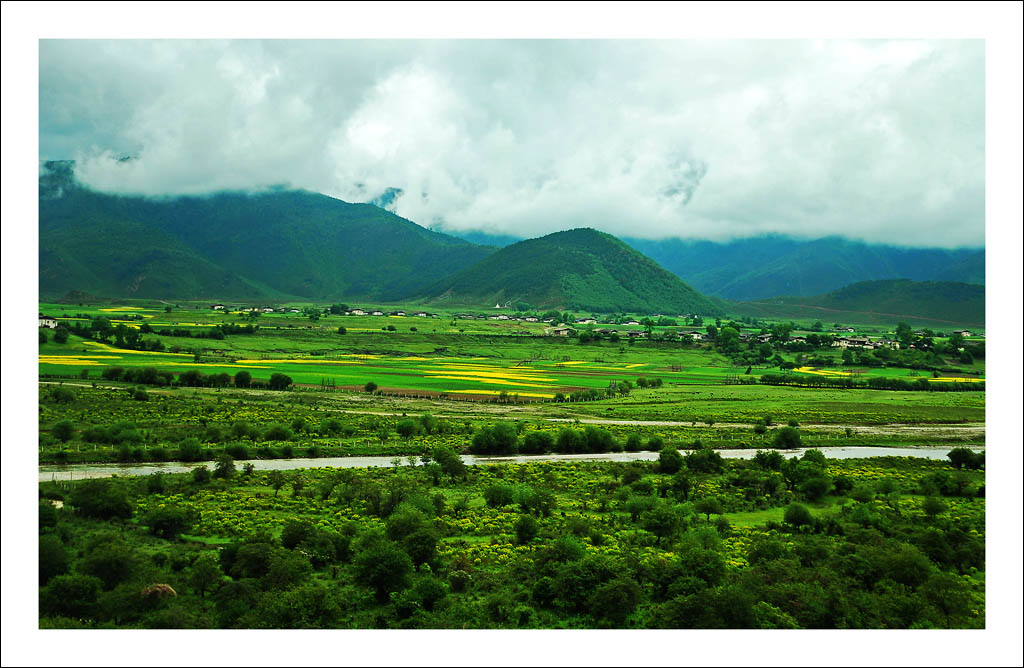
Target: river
(50,472)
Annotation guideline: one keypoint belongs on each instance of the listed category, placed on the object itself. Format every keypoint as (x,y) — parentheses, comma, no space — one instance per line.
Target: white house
(218,307)
(47,321)
(357,311)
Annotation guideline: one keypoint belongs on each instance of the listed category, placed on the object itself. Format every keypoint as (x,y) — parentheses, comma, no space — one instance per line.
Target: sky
(875,140)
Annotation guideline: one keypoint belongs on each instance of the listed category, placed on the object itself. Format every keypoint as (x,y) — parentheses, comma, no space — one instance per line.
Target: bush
(669,460)
(277,432)
(189,450)
(201,475)
(498,495)
(786,438)
(101,499)
(633,443)
(537,443)
(527,528)
(797,515)
(279,381)
(63,430)
(167,522)
(237,450)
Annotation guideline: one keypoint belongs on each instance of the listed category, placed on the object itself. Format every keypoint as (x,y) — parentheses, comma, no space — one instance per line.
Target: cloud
(874,140)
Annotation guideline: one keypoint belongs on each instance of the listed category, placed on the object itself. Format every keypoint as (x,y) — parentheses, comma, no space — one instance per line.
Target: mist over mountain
(274,243)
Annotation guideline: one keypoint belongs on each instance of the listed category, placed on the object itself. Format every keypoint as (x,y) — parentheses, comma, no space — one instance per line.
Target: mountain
(762,267)
(882,301)
(578,269)
(233,245)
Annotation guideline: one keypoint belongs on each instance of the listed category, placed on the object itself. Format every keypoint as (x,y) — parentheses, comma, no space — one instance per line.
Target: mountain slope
(577,269)
(762,267)
(939,301)
(235,245)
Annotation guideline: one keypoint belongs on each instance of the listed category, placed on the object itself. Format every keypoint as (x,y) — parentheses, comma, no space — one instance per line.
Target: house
(268,309)
(631,322)
(47,321)
(218,307)
(845,329)
(585,321)
(531,319)
(377,313)
(888,343)
(963,332)
(764,338)
(693,334)
(636,333)
(357,311)
(561,331)
(420,314)
(853,342)
(294,310)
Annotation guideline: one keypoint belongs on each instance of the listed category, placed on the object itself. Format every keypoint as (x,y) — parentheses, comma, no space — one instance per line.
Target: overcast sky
(876,140)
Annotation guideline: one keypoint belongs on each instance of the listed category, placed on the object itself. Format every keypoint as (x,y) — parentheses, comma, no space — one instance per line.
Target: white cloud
(874,140)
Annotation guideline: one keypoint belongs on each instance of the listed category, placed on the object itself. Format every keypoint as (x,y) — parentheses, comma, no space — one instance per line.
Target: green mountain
(761,267)
(882,301)
(277,244)
(578,269)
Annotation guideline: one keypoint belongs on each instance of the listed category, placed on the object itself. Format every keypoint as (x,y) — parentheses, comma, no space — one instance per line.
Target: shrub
(189,450)
(786,438)
(498,495)
(797,515)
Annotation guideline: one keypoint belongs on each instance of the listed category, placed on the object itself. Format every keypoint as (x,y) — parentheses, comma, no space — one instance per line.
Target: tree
(243,379)
(537,443)
(526,528)
(72,596)
(60,336)
(279,381)
(382,566)
(53,558)
(708,506)
(42,337)
(225,467)
(498,495)
(63,430)
(167,522)
(370,387)
(277,480)
(669,460)
(933,506)
(786,438)
(964,458)
(205,574)
(201,475)
(101,499)
(797,515)
(342,330)
(407,428)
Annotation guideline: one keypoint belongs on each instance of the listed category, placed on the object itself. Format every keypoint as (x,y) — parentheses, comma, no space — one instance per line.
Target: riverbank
(49,473)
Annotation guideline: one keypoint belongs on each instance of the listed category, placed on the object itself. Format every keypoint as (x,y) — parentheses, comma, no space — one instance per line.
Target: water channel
(50,472)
